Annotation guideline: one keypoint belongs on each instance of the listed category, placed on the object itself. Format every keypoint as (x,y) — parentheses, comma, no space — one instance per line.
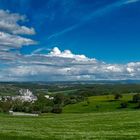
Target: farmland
(110,125)
(102,103)
(78,121)
(98,115)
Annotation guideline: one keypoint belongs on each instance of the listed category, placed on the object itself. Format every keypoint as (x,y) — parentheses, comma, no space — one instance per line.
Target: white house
(48,97)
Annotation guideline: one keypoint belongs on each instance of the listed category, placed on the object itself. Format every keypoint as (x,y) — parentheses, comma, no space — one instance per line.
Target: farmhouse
(48,97)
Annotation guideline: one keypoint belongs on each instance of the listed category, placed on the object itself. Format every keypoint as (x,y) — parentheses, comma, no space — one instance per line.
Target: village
(25,103)
(25,95)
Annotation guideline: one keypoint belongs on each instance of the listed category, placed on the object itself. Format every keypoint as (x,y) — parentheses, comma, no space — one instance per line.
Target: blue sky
(105,31)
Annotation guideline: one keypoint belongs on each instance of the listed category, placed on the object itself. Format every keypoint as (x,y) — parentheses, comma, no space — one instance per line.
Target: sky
(69,40)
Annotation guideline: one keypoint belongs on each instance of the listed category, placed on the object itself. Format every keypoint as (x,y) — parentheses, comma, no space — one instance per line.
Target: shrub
(6,105)
(124,104)
(17,105)
(47,109)
(97,107)
(117,96)
(1,110)
(136,98)
(138,106)
(59,99)
(67,101)
(57,109)
(73,101)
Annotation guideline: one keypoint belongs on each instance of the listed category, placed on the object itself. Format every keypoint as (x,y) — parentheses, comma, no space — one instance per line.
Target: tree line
(41,105)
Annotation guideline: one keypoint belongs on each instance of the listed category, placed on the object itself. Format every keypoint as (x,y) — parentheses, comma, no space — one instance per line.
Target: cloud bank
(11,36)
(60,65)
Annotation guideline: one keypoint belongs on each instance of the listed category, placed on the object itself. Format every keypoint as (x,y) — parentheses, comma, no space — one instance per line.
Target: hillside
(123,125)
(102,103)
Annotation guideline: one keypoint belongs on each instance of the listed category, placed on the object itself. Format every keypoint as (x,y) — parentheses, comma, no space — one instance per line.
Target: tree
(42,104)
(17,105)
(88,102)
(124,104)
(57,108)
(117,96)
(138,106)
(59,99)
(136,98)
(6,105)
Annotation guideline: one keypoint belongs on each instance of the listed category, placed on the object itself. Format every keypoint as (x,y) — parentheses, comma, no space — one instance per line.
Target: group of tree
(124,103)
(136,99)
(106,89)
(41,105)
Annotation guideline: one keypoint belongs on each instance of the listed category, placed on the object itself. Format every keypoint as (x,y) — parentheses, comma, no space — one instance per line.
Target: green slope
(123,125)
(102,103)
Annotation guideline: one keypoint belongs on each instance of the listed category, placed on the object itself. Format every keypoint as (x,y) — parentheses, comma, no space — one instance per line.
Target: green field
(86,126)
(65,92)
(77,122)
(104,103)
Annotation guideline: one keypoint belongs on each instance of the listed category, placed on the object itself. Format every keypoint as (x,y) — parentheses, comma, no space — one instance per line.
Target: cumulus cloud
(9,23)
(58,65)
(11,31)
(66,54)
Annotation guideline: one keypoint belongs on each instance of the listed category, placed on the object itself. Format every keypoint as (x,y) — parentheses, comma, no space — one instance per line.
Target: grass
(104,103)
(123,125)
(65,92)
(78,122)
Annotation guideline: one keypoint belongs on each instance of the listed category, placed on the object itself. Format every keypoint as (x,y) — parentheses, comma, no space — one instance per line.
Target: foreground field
(86,126)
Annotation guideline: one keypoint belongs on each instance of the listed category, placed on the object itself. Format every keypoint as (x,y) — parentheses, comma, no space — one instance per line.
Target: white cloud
(11,31)
(9,23)
(13,41)
(60,65)
(114,68)
(66,54)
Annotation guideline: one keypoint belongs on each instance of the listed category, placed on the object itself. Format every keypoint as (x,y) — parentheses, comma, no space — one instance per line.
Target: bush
(47,109)
(136,98)
(5,105)
(97,107)
(73,101)
(57,109)
(67,101)
(138,106)
(17,105)
(1,110)
(117,96)
(124,104)
(59,99)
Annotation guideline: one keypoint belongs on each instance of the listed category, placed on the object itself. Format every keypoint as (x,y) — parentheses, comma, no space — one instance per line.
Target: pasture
(77,122)
(86,126)
(103,103)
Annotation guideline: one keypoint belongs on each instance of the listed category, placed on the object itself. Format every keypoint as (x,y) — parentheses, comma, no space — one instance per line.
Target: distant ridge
(75,82)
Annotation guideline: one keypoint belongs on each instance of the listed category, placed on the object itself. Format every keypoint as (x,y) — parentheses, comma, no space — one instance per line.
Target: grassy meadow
(103,103)
(77,122)
(85,126)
